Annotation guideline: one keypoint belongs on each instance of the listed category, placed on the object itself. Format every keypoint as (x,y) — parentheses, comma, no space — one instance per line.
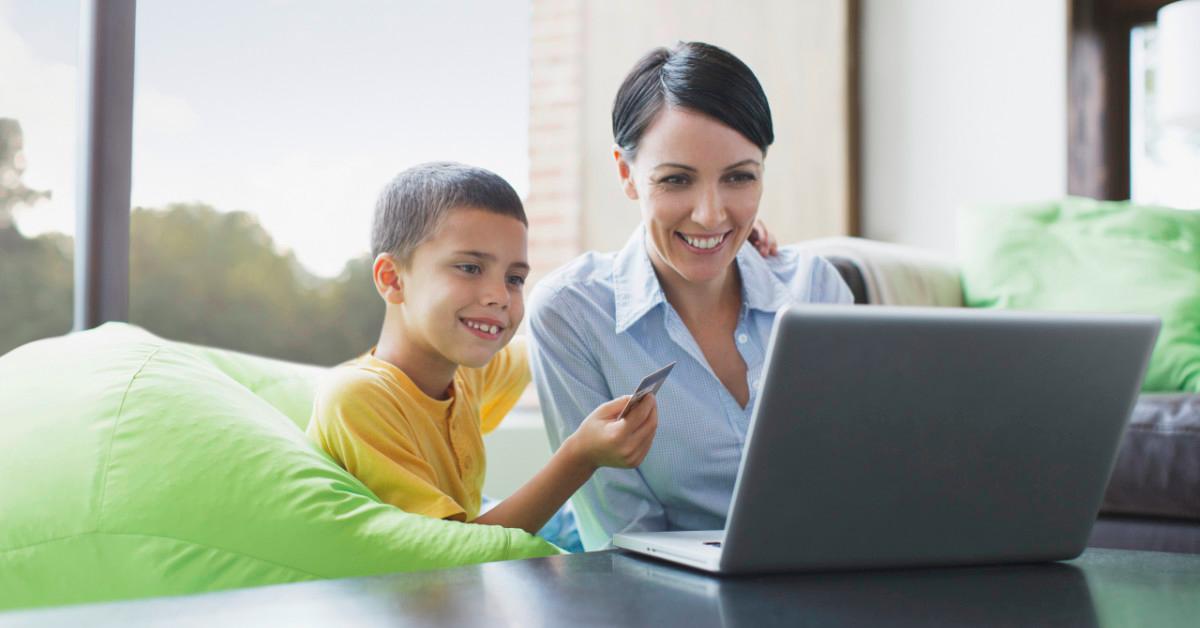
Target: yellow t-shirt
(420,454)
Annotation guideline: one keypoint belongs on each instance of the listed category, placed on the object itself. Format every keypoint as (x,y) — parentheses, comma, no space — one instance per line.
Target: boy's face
(462,291)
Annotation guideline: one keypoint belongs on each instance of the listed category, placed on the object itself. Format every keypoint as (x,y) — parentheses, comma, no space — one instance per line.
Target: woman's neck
(714,299)
(429,370)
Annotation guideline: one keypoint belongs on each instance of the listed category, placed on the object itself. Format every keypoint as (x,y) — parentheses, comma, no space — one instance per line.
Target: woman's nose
(710,211)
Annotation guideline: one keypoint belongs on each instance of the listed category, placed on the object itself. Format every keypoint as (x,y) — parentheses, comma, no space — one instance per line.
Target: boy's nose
(496,295)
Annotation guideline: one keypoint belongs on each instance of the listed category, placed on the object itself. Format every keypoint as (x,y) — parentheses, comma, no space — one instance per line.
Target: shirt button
(742,338)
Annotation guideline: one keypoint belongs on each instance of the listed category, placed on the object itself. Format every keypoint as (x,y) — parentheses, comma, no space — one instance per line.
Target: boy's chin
(474,359)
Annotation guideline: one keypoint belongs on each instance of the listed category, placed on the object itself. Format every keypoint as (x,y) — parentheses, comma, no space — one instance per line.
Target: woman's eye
(674,179)
(472,269)
(742,177)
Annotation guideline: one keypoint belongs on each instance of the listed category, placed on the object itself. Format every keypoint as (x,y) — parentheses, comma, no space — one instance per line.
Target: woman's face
(698,183)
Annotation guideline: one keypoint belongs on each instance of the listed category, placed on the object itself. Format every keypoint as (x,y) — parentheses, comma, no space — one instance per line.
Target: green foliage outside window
(196,275)
(201,276)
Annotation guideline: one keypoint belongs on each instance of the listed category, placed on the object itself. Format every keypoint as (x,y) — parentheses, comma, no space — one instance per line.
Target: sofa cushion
(882,273)
(1158,467)
(853,277)
(134,466)
(1085,255)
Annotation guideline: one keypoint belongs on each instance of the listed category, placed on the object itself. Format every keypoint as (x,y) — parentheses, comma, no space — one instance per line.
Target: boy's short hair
(413,204)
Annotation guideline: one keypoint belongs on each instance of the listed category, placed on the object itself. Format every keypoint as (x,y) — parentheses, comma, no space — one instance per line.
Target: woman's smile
(704,243)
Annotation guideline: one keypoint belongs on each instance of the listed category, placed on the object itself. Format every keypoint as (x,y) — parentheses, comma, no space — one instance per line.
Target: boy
(407,418)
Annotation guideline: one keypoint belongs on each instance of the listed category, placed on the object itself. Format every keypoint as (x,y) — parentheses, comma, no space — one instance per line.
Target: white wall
(516,451)
(963,102)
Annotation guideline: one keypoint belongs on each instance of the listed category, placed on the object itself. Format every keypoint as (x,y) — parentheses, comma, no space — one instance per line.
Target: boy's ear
(625,172)
(389,281)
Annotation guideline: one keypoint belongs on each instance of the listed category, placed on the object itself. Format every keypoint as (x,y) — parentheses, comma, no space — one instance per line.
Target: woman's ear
(625,172)
(389,282)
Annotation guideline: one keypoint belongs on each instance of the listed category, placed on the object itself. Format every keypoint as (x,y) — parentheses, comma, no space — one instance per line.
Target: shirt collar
(761,288)
(637,291)
(635,285)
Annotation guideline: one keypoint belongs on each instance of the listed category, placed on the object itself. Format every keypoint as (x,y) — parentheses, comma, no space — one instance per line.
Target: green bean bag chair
(134,466)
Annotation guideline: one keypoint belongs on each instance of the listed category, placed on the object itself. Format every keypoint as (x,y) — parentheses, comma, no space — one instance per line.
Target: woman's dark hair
(696,76)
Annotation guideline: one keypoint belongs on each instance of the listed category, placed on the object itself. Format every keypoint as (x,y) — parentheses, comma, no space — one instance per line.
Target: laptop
(902,437)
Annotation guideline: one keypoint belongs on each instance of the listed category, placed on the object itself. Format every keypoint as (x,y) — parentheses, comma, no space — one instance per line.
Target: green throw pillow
(1085,255)
(135,466)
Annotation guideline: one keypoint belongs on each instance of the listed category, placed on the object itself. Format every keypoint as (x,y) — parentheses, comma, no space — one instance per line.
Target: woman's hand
(763,240)
(603,440)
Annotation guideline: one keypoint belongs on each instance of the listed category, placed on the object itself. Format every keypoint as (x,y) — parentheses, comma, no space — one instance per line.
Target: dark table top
(1101,588)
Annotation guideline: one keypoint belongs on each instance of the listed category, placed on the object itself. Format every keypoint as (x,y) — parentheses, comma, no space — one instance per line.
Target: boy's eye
(516,280)
(472,269)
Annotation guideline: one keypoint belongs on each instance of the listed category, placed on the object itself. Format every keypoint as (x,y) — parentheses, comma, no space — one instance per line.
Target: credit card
(650,384)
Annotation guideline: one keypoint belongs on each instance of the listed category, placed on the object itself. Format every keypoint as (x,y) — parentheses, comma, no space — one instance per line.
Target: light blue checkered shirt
(601,323)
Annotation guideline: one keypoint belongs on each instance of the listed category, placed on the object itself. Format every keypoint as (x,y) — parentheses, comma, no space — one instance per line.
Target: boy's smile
(486,328)
(461,297)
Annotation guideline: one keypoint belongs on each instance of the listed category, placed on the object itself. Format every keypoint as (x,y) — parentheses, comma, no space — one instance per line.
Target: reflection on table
(1103,587)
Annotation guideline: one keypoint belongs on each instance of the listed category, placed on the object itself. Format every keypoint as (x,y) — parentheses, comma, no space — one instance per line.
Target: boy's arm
(568,348)
(536,502)
(602,440)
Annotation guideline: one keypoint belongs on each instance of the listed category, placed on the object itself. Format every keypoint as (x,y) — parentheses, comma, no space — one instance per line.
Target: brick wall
(554,203)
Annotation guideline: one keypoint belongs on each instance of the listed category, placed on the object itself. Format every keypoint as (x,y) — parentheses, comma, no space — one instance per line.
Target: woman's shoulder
(587,279)
(796,260)
(810,277)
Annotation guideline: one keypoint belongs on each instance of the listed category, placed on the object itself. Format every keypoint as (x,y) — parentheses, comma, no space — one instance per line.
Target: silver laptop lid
(910,436)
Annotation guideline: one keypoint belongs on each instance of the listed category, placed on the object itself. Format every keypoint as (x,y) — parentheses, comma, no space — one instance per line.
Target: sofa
(1153,497)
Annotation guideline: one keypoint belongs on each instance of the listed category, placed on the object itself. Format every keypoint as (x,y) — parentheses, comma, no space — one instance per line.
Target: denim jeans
(560,530)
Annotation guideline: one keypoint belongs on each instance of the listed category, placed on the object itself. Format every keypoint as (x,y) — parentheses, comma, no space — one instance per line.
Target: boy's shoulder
(355,378)
(357,395)
(353,374)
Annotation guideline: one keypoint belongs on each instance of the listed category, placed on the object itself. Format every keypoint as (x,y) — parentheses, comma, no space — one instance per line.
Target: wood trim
(853,118)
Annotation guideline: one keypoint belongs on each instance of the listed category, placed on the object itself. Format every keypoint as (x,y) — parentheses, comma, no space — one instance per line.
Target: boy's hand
(603,440)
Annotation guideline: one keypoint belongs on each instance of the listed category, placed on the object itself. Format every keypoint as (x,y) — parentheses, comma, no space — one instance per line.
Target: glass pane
(1163,160)
(263,132)
(38,50)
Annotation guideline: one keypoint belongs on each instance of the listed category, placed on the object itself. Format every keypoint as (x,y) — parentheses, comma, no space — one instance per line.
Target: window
(38,50)
(262,134)
(1163,160)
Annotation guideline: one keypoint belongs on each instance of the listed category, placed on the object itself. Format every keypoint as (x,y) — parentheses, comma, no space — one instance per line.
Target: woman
(691,127)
